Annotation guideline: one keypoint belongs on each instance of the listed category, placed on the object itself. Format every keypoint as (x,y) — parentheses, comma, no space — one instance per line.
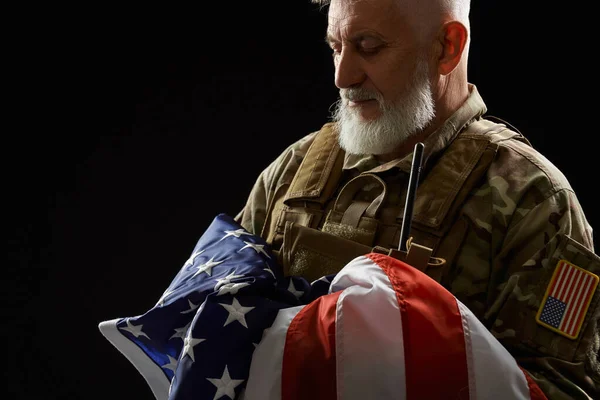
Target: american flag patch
(567,299)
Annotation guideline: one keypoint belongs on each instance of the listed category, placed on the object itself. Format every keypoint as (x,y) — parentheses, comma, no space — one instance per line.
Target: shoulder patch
(567,299)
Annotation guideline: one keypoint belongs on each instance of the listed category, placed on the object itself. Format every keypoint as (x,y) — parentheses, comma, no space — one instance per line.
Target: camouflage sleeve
(252,216)
(278,173)
(545,232)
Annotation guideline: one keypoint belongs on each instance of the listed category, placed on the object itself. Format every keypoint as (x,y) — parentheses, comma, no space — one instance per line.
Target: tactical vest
(308,245)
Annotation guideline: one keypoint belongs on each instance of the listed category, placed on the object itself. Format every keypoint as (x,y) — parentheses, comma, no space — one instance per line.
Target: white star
(237,233)
(192,307)
(180,332)
(190,261)
(236,312)
(207,267)
(225,386)
(161,301)
(172,365)
(136,330)
(227,279)
(257,247)
(232,288)
(292,288)
(188,345)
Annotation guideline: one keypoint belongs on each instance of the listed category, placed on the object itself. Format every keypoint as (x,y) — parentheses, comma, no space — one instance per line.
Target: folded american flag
(231,326)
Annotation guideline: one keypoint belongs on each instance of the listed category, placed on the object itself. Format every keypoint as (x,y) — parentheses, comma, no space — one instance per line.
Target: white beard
(407,116)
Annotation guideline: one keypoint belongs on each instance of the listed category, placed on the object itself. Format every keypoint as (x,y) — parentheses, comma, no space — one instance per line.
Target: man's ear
(453,39)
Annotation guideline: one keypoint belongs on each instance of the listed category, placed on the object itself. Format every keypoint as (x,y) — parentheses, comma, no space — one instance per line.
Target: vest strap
(320,169)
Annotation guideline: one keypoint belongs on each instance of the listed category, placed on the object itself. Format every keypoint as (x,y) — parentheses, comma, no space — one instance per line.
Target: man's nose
(348,69)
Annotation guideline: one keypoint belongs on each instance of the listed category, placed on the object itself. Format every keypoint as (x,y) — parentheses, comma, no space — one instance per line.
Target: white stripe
(569,298)
(567,285)
(579,299)
(467,333)
(264,379)
(495,372)
(152,373)
(559,283)
(369,339)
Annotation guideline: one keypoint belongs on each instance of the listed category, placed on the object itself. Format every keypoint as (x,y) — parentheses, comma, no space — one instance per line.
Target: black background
(131,129)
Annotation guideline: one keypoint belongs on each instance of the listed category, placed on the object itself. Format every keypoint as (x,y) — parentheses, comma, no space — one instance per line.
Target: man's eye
(369,45)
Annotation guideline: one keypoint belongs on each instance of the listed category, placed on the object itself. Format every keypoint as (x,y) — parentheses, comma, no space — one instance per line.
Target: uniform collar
(472,108)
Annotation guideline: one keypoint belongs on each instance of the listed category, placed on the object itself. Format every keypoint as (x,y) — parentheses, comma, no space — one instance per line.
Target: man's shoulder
(519,162)
(300,146)
(285,165)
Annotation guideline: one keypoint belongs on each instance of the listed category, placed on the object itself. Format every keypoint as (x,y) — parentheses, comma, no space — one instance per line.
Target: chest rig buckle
(357,220)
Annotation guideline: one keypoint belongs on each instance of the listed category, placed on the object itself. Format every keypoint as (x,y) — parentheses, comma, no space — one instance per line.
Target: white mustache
(358,95)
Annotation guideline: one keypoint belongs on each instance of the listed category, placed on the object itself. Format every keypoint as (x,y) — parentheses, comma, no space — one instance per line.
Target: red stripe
(569,297)
(434,342)
(556,278)
(535,393)
(572,303)
(308,368)
(579,307)
(568,281)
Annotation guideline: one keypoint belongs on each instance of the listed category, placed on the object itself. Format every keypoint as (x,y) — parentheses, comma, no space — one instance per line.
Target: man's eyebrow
(329,39)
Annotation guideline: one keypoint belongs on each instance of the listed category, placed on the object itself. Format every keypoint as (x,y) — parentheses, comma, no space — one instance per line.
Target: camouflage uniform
(521,217)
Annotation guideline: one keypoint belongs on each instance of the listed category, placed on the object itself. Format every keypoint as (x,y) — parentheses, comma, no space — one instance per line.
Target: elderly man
(515,243)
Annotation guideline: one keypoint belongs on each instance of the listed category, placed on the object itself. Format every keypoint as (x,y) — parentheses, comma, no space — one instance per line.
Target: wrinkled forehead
(348,15)
(400,19)
(366,9)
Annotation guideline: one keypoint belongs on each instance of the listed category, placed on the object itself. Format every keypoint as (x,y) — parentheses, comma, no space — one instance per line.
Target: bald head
(458,8)
(427,15)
